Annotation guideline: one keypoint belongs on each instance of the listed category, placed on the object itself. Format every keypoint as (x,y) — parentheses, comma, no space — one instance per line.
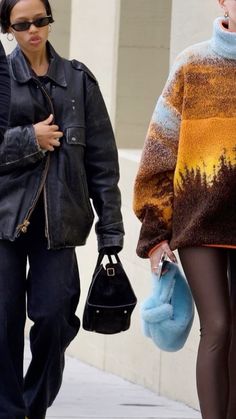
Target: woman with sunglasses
(185,196)
(58,152)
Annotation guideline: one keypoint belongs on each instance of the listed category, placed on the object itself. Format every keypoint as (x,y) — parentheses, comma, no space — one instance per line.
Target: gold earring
(226,15)
(9,34)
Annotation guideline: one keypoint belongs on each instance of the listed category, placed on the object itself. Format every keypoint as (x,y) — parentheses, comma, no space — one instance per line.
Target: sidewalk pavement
(89,393)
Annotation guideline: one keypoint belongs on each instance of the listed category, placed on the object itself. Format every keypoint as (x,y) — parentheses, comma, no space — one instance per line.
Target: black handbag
(110,300)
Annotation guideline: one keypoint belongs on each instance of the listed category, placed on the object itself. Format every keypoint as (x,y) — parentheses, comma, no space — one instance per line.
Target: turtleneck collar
(223,42)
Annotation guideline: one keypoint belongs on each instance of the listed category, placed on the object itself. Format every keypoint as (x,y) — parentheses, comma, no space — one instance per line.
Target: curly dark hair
(6,7)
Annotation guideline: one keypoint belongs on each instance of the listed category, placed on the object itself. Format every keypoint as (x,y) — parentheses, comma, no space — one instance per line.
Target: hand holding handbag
(167,315)
(110,300)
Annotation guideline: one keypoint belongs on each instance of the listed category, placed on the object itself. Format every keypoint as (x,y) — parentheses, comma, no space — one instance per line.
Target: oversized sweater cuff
(146,244)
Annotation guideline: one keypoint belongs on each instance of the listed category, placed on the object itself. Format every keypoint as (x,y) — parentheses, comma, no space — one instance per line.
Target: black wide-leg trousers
(49,292)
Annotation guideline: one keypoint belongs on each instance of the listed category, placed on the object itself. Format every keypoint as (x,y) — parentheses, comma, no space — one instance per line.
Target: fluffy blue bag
(167,315)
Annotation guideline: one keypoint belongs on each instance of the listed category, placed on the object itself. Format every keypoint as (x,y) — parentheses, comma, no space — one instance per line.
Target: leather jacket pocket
(75,172)
(75,135)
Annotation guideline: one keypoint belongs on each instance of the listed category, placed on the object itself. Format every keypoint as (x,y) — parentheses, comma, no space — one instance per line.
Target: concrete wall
(191,23)
(143,62)
(94,41)
(61,28)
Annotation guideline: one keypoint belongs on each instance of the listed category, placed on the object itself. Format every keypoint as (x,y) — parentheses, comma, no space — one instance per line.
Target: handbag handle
(101,256)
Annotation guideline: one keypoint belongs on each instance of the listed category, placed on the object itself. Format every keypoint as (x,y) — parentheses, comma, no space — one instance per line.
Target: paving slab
(89,393)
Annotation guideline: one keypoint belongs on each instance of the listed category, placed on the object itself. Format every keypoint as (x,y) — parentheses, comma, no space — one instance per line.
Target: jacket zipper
(46,215)
(44,187)
(22,228)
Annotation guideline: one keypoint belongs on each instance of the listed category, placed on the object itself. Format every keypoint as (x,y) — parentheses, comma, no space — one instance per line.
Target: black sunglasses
(39,23)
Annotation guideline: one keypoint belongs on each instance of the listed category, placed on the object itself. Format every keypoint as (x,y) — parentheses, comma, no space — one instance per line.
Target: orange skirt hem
(226,246)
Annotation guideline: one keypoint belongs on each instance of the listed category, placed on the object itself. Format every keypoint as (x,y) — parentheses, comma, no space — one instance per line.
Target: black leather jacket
(84,166)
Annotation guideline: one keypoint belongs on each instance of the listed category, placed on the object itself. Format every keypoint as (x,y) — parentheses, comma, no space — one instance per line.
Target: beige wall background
(191,22)
(129,45)
(94,41)
(143,61)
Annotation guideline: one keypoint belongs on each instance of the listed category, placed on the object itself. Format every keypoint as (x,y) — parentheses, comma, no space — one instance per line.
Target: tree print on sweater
(185,189)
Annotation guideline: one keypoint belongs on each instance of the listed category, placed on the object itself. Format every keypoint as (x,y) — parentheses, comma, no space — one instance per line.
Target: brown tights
(211,273)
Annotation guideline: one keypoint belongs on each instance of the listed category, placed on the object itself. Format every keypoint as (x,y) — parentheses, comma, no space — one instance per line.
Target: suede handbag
(110,300)
(167,315)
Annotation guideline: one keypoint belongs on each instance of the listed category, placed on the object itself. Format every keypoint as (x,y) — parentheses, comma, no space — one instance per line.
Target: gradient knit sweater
(185,189)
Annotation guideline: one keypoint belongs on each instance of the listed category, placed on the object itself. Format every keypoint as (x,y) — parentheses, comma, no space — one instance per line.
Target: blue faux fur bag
(167,315)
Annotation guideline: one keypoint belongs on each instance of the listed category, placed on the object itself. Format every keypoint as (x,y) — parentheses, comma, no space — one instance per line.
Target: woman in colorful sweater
(185,197)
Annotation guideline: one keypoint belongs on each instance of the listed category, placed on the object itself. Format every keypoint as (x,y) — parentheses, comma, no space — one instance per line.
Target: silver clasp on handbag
(111,272)
(160,267)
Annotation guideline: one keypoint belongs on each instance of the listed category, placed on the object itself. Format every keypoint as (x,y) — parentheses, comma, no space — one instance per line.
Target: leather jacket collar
(21,71)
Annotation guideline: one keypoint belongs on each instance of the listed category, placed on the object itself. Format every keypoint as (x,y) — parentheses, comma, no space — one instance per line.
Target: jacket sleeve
(153,190)
(5,91)
(18,145)
(19,148)
(102,170)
